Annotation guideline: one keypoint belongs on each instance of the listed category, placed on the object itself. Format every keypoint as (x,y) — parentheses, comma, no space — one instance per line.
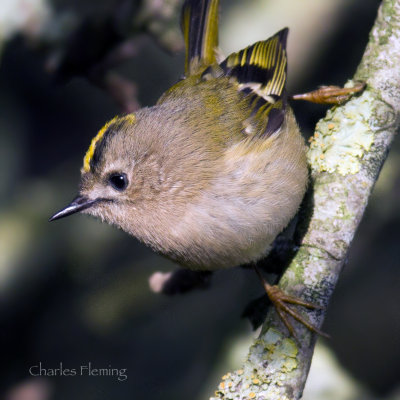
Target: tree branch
(346,155)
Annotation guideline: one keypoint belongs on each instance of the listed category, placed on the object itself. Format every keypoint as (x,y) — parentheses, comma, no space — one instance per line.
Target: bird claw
(280,299)
(331,95)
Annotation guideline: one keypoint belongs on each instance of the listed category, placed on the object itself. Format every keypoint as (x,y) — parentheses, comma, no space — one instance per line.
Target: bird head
(138,168)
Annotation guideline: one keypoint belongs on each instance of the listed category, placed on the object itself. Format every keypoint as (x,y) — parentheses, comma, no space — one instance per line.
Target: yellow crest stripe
(130,118)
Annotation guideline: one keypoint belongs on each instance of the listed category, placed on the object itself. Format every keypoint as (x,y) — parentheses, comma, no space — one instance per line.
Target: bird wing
(199,22)
(260,71)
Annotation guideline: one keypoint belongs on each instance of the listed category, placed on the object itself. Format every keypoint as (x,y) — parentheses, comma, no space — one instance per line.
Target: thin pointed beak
(80,203)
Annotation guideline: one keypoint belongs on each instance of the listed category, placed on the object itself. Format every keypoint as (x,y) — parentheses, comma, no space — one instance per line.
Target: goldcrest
(216,169)
(212,173)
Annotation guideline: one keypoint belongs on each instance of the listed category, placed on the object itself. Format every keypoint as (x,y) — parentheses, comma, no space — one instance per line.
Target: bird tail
(199,22)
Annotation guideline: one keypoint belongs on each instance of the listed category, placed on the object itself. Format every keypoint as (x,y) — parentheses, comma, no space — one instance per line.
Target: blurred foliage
(76,291)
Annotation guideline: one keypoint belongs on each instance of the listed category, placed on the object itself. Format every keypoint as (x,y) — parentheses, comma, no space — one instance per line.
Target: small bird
(212,173)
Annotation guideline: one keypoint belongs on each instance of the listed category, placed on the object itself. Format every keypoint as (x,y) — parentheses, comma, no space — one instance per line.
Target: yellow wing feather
(263,63)
(260,71)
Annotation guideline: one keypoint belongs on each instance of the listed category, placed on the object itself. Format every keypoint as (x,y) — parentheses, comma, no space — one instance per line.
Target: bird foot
(330,95)
(280,299)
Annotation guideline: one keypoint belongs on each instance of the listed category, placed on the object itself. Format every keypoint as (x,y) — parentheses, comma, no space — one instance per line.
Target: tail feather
(199,22)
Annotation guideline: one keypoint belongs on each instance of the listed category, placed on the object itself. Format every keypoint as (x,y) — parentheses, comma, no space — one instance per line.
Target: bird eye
(118,181)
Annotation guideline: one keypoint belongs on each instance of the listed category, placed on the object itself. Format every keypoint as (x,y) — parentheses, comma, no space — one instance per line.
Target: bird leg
(179,281)
(279,300)
(330,94)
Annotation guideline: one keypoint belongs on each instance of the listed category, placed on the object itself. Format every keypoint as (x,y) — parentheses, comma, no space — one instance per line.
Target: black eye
(118,181)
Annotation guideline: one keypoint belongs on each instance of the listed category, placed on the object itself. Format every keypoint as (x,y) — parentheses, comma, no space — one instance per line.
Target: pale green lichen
(270,360)
(297,272)
(342,137)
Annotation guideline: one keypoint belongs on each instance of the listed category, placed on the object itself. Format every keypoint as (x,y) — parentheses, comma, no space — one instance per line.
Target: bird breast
(250,201)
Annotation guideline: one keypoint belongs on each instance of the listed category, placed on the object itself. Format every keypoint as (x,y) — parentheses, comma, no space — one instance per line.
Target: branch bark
(346,154)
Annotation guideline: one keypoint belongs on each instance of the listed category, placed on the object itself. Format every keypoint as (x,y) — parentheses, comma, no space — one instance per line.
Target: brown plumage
(216,169)
(213,172)
(204,194)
